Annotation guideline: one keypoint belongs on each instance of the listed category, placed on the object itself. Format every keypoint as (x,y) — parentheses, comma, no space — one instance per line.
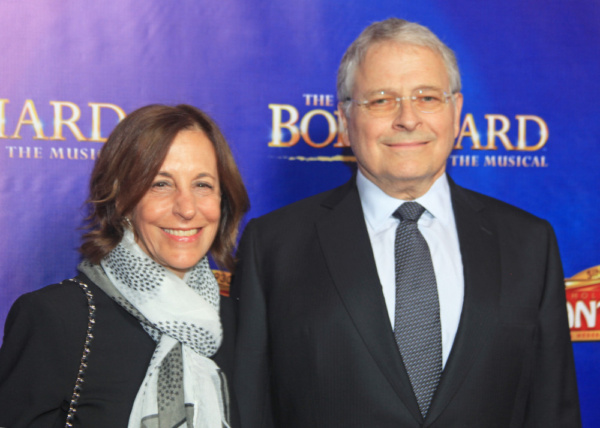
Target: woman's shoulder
(68,291)
(61,290)
(59,310)
(62,299)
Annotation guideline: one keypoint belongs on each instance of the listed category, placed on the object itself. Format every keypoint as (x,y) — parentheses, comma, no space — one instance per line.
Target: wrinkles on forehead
(400,68)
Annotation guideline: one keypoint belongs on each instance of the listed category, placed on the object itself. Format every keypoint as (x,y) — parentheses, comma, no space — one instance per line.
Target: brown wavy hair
(129,162)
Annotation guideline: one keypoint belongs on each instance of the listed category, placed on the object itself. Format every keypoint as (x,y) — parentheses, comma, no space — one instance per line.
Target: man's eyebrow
(428,87)
(393,91)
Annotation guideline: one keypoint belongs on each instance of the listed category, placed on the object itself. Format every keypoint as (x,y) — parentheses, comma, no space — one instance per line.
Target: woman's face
(177,219)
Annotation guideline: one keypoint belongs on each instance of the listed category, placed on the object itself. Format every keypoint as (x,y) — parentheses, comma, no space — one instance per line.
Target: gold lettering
(468,129)
(305,122)
(3,103)
(490,161)
(57,153)
(72,153)
(29,108)
(464,160)
(501,133)
(96,113)
(289,125)
(522,141)
(339,141)
(59,122)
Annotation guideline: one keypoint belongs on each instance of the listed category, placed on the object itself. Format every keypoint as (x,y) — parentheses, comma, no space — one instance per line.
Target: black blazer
(41,353)
(315,346)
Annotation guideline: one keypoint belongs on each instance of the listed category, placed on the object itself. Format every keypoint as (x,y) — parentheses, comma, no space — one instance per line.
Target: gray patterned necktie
(417,326)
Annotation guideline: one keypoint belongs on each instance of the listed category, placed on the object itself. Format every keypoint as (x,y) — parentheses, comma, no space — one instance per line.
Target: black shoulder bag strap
(86,351)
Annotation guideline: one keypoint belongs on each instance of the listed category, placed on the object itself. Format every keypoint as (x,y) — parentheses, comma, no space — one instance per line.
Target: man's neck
(406,190)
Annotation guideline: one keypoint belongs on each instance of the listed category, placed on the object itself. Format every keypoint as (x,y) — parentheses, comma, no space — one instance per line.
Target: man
(356,312)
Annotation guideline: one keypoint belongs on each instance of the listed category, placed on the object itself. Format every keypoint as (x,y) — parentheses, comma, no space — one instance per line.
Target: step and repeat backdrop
(265,70)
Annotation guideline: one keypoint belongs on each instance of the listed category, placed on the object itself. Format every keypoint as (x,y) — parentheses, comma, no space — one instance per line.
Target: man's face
(404,152)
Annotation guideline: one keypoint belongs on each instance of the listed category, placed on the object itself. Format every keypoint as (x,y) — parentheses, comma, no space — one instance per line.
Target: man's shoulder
(307,209)
(494,208)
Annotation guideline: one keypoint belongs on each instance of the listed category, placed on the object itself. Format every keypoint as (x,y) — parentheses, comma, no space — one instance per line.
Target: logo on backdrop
(520,150)
(40,131)
(313,124)
(583,301)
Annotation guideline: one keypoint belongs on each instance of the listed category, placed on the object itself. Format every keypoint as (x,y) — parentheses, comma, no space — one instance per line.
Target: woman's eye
(204,188)
(160,184)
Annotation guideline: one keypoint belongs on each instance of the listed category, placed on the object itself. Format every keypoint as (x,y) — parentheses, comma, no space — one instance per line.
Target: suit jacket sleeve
(554,397)
(251,382)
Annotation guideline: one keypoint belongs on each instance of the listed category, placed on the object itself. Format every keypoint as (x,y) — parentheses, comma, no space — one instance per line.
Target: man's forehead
(390,59)
(393,48)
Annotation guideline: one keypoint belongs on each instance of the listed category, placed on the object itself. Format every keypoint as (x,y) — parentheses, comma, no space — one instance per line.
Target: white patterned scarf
(183,387)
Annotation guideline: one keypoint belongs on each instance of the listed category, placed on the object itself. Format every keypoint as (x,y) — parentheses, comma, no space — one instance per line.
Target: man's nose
(406,117)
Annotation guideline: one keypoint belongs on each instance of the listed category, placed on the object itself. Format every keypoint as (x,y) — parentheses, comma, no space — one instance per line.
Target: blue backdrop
(266,71)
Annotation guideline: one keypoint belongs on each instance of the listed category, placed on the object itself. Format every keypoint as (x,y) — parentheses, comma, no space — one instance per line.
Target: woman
(127,342)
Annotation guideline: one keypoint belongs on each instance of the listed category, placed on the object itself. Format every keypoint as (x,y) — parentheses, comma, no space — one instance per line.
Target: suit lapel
(479,250)
(347,249)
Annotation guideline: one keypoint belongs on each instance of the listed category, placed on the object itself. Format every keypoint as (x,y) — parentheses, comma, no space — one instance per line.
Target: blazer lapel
(479,250)
(348,254)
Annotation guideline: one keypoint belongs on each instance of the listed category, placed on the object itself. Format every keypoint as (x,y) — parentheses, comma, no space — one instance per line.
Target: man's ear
(458,104)
(343,124)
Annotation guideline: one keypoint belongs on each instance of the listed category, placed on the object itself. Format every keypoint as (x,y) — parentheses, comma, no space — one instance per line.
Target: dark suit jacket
(315,345)
(41,353)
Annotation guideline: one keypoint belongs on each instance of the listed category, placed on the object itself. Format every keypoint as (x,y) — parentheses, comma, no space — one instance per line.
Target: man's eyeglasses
(386,103)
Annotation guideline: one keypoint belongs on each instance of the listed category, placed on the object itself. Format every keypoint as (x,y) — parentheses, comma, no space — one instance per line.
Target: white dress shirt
(439,230)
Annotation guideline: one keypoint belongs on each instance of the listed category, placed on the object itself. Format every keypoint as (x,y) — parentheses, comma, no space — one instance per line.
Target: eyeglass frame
(398,101)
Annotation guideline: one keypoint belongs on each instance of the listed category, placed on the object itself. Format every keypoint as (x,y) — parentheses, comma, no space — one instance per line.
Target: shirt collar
(378,206)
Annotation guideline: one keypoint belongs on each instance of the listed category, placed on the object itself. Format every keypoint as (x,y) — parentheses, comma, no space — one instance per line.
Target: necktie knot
(410,211)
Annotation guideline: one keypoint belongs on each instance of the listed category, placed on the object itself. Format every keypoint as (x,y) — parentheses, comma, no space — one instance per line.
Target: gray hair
(396,30)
